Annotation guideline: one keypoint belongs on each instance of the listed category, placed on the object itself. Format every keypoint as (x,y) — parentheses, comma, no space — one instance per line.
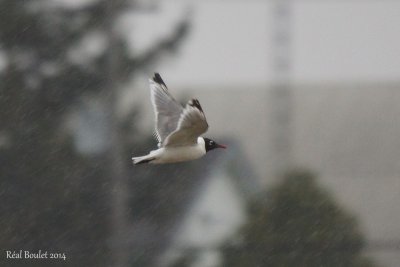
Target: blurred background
(305,94)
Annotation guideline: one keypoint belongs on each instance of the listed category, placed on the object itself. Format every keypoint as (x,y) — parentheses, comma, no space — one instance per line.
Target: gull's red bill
(221,146)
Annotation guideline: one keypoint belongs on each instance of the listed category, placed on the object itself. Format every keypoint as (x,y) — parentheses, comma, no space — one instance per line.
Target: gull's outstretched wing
(192,123)
(167,110)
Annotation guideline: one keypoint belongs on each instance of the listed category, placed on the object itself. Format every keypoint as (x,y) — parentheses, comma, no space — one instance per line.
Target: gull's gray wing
(167,110)
(191,125)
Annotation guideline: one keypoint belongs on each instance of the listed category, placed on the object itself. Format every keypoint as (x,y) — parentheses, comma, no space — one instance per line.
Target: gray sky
(346,40)
(230,41)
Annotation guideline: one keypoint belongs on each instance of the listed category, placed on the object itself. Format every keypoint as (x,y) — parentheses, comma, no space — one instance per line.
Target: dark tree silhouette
(297,224)
(54,198)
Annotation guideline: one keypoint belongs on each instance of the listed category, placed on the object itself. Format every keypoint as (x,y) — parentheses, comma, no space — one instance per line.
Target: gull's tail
(143,159)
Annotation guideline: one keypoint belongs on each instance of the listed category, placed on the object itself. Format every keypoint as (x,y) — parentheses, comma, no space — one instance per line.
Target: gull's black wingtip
(195,103)
(157,78)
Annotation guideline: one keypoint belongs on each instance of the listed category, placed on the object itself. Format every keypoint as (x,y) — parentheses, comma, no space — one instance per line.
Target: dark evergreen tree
(297,224)
(54,198)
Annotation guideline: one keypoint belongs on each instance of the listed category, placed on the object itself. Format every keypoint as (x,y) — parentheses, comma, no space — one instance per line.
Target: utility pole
(119,241)
(281,104)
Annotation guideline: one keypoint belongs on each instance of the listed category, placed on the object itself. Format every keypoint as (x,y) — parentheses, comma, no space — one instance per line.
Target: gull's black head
(211,144)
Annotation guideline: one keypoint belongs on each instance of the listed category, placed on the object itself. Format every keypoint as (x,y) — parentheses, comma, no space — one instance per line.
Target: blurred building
(216,208)
(346,133)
